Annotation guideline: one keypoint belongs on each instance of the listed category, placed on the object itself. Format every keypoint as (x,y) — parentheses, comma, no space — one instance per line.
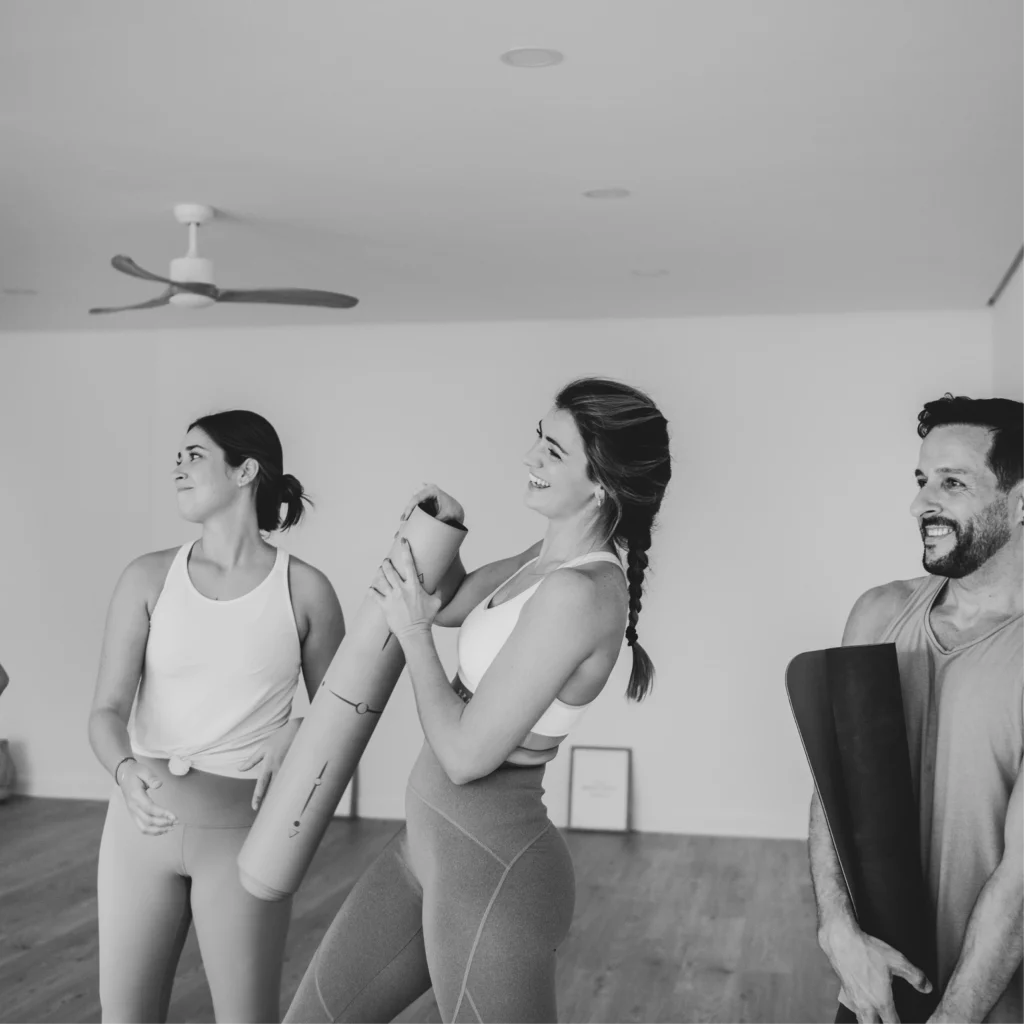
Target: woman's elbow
(450,615)
(459,773)
(98,711)
(103,715)
(466,768)
(95,714)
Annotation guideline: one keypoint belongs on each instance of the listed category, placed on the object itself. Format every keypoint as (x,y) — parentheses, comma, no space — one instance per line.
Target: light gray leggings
(151,888)
(472,897)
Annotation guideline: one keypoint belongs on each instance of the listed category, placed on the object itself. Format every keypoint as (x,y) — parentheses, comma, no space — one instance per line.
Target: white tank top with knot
(219,676)
(484,632)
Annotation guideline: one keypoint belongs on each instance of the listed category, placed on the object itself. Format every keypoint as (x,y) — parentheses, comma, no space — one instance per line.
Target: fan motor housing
(191,270)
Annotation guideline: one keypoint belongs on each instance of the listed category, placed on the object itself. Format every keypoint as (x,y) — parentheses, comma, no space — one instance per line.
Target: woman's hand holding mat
(448,510)
(403,602)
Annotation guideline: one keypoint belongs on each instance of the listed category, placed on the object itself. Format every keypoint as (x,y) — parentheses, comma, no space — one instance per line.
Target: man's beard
(977,541)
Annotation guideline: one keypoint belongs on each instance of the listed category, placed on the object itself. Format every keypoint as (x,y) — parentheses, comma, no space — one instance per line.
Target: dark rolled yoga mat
(848,708)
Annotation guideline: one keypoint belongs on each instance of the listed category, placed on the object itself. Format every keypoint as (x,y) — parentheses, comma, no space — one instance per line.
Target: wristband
(130,757)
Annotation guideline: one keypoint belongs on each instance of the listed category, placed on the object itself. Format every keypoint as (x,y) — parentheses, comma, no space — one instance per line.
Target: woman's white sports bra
(485,631)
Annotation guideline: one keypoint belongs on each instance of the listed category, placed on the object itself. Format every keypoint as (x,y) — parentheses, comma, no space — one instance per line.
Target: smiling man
(959,636)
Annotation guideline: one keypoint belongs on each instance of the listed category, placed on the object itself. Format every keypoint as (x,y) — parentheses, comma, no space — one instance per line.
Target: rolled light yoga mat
(848,708)
(303,794)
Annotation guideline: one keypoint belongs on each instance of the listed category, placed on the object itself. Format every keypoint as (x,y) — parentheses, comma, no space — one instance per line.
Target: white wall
(1008,341)
(794,447)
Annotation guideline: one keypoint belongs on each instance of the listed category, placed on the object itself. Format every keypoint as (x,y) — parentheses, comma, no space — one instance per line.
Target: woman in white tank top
(477,891)
(202,653)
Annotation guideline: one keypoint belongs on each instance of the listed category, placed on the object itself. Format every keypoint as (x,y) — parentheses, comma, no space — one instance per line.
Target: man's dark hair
(1003,416)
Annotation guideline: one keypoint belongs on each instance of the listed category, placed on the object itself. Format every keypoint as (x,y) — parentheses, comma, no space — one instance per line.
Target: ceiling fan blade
(288,297)
(128,266)
(160,300)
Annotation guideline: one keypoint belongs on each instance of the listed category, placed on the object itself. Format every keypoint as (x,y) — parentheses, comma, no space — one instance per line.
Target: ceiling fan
(191,278)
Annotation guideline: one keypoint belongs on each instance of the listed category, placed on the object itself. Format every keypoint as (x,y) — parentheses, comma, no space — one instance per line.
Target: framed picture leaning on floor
(599,788)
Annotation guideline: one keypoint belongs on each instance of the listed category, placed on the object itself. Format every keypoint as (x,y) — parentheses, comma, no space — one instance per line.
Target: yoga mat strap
(362,708)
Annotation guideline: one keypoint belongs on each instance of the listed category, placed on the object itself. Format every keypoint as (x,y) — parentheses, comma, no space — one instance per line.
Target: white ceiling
(785,156)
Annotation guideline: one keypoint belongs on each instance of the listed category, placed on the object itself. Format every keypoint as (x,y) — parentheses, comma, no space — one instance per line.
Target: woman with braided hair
(625,438)
(475,894)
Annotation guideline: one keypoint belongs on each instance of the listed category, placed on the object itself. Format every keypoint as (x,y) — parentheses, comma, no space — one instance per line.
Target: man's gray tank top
(965,726)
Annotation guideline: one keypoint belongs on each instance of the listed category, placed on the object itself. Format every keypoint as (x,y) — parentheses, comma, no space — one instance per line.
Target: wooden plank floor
(667,928)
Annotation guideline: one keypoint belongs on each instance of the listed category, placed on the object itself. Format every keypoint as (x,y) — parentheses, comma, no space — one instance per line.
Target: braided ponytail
(641,677)
(625,438)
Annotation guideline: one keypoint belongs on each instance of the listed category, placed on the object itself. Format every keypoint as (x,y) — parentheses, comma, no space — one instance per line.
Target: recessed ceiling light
(532,57)
(20,291)
(659,272)
(606,193)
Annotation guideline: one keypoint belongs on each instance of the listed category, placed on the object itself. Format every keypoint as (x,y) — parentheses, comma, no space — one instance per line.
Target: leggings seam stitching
(316,979)
(483,920)
(468,835)
(316,985)
(473,1007)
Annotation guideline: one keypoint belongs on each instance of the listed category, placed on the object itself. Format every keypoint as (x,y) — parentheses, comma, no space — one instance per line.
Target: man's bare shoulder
(876,608)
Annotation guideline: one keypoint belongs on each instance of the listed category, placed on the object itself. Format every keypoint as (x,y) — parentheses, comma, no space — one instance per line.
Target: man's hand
(866,966)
